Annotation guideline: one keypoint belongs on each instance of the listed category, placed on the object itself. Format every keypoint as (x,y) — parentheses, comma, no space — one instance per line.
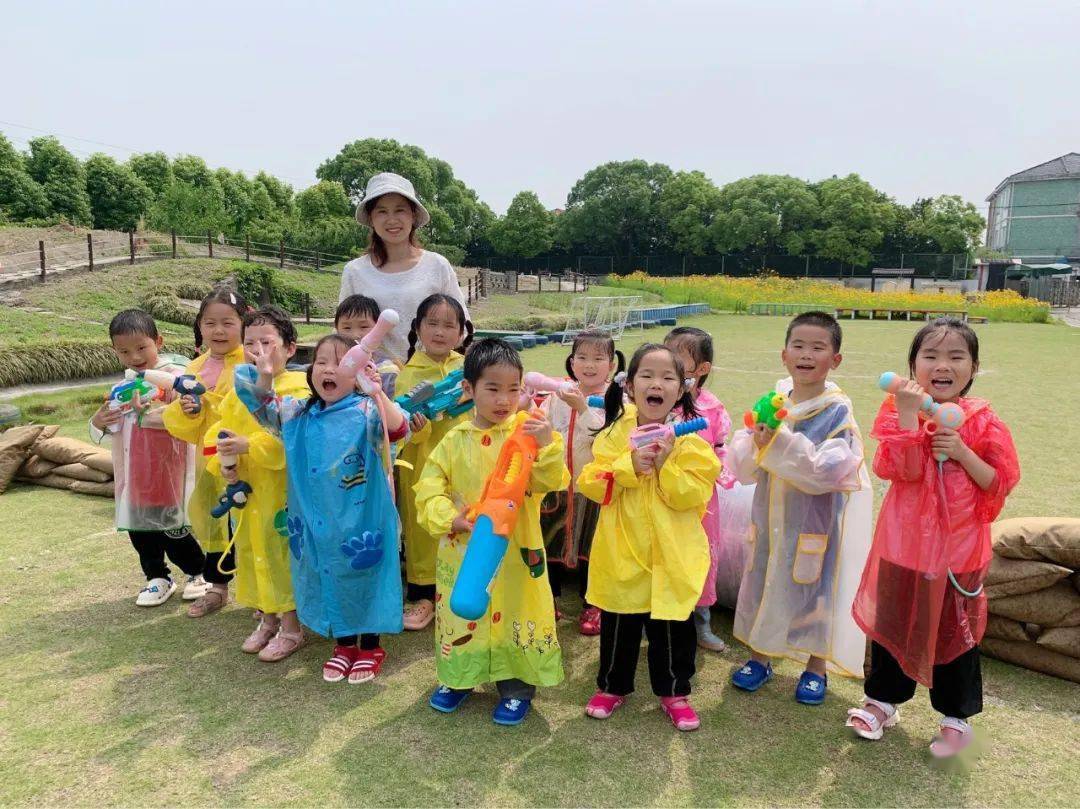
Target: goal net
(609,315)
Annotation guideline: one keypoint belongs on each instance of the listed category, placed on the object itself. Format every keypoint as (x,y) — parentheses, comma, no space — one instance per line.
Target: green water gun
(768,410)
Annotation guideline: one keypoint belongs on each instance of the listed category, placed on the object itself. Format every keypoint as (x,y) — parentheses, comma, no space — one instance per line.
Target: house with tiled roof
(1035,214)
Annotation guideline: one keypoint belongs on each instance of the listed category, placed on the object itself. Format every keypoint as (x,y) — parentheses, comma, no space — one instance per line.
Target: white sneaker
(196,586)
(155,593)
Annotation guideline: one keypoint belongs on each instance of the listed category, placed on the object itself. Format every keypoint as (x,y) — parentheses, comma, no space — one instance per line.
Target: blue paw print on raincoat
(296,536)
(364,551)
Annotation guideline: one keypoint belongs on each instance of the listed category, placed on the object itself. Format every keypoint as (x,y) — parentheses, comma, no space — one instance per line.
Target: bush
(454,254)
(58,361)
(253,279)
(164,305)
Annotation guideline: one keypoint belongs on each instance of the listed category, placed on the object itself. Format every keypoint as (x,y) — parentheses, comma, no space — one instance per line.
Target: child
(440,326)
(342,524)
(356,315)
(153,471)
(515,643)
(921,600)
(811,522)
(694,348)
(262,555)
(218,326)
(568,519)
(650,555)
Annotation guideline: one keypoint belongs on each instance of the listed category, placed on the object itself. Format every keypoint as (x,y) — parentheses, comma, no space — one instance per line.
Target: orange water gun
(494,517)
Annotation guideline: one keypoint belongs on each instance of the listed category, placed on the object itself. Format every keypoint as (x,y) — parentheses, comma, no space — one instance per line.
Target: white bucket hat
(390,183)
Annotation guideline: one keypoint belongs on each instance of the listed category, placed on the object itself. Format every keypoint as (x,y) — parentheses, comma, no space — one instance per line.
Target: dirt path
(54,387)
(1070,316)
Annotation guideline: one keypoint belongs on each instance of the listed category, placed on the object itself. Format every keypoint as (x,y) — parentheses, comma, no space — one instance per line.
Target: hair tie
(620,379)
(232,299)
(689,382)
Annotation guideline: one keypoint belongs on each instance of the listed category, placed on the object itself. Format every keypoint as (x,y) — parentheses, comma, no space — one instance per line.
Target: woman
(396,271)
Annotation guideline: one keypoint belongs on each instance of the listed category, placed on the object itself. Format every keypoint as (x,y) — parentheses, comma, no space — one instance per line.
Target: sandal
(589,623)
(947,745)
(682,716)
(366,666)
(263,634)
(602,705)
(210,601)
(875,726)
(337,667)
(419,615)
(281,646)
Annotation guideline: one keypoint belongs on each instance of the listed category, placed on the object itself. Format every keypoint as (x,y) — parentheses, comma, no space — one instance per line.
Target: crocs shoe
(155,593)
(682,716)
(811,689)
(448,700)
(602,705)
(196,586)
(752,676)
(511,711)
(419,615)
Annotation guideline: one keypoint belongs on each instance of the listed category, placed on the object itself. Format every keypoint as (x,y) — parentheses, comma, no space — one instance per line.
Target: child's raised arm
(549,472)
(256,392)
(689,474)
(829,466)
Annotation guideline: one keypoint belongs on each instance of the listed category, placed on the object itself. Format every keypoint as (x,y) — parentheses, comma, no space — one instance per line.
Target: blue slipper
(752,676)
(448,700)
(511,711)
(811,689)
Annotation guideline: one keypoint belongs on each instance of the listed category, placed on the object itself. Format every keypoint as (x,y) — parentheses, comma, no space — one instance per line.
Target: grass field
(104,703)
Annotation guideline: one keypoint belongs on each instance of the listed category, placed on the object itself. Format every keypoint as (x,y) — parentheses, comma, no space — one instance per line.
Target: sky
(920,98)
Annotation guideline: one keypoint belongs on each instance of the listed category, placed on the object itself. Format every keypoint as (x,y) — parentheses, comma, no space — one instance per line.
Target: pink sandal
(682,716)
(947,745)
(263,634)
(602,705)
(283,644)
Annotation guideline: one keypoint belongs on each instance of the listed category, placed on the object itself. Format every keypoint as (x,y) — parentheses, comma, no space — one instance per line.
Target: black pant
(182,549)
(671,653)
(557,575)
(368,641)
(210,569)
(414,592)
(957,689)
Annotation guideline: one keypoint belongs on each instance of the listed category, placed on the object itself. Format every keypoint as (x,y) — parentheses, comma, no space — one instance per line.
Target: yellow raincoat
(516,638)
(650,553)
(213,534)
(261,534)
(421,548)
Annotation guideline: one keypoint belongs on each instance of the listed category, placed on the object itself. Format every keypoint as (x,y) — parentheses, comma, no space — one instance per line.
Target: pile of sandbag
(36,454)
(1033,595)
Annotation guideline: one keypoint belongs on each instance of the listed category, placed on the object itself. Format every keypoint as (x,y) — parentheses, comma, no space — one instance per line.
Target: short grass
(104,703)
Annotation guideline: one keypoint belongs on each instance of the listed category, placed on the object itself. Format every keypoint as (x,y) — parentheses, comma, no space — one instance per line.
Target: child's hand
(189,405)
(417,422)
(461,524)
(909,398)
(644,459)
(264,360)
(230,473)
(574,398)
(663,446)
(106,417)
(763,434)
(233,444)
(948,442)
(539,428)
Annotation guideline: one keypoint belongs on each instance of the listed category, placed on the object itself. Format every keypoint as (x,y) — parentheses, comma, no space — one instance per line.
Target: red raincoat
(931,523)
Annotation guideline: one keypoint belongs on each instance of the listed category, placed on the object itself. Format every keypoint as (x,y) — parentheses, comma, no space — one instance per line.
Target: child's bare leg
(289,622)
(760,658)
(815,665)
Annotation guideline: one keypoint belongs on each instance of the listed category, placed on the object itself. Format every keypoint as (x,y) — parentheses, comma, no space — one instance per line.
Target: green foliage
(154,169)
(280,193)
(255,281)
(21,197)
(62,179)
(325,199)
(189,210)
(765,212)
(451,252)
(56,361)
(164,305)
(953,225)
(527,229)
(852,220)
(193,171)
(118,198)
(688,203)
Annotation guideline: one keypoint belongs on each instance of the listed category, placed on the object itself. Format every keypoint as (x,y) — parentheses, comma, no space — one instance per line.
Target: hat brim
(422,215)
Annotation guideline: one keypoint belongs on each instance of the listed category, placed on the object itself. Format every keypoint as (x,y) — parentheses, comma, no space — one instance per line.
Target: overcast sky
(920,98)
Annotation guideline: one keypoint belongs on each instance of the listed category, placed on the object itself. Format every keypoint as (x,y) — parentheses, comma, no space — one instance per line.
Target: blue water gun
(432,400)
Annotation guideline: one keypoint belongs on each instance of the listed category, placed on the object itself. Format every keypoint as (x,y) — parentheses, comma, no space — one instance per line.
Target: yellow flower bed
(736,294)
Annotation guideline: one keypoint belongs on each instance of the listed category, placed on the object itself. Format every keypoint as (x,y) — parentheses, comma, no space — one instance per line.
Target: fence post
(806,272)
(90,249)
(131,245)
(307,307)
(723,261)
(247,247)
(318,262)
(41,257)
(482,285)
(174,244)
(281,255)
(209,244)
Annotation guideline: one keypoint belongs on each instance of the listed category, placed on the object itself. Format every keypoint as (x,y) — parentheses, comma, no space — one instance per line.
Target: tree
(189,210)
(766,213)
(614,208)
(688,205)
(280,193)
(327,198)
(527,229)
(62,179)
(852,220)
(21,197)
(954,225)
(237,197)
(154,169)
(118,198)
(193,171)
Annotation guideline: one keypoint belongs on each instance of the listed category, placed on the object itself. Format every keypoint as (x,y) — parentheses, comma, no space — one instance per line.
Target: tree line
(620,208)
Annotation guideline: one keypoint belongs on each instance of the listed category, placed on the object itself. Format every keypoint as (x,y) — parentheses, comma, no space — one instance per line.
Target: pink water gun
(357,358)
(535,382)
(947,414)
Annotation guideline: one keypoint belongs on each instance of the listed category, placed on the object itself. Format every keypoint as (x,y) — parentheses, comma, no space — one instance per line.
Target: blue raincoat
(343,527)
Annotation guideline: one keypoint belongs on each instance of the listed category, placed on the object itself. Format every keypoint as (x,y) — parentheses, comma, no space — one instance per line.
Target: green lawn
(105,703)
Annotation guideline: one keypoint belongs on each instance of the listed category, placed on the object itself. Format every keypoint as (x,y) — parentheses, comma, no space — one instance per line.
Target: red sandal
(366,666)
(338,667)
(602,705)
(682,716)
(589,623)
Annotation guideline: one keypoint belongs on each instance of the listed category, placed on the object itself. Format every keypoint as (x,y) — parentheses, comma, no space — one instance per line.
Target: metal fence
(1058,292)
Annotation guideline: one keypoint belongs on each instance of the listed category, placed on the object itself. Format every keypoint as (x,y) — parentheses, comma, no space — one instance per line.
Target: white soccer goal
(604,314)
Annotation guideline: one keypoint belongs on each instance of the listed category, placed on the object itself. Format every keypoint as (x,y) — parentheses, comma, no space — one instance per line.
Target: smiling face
(943,365)
(220,326)
(655,387)
(439,331)
(592,367)
(355,326)
(496,394)
(139,352)
(331,384)
(269,340)
(809,356)
(392,218)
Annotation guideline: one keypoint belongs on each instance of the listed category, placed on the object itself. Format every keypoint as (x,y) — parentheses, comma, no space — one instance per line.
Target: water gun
(357,358)
(236,494)
(947,414)
(494,517)
(443,398)
(122,393)
(183,384)
(595,401)
(652,433)
(768,410)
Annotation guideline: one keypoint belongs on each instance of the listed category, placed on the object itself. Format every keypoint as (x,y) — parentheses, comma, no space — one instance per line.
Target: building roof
(1068,165)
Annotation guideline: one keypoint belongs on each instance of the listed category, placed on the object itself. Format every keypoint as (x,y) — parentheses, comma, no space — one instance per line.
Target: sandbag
(102,462)
(1063,639)
(50,480)
(1032,656)
(15,446)
(64,450)
(1013,577)
(96,489)
(1051,539)
(80,471)
(1005,629)
(1057,605)
(35,467)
